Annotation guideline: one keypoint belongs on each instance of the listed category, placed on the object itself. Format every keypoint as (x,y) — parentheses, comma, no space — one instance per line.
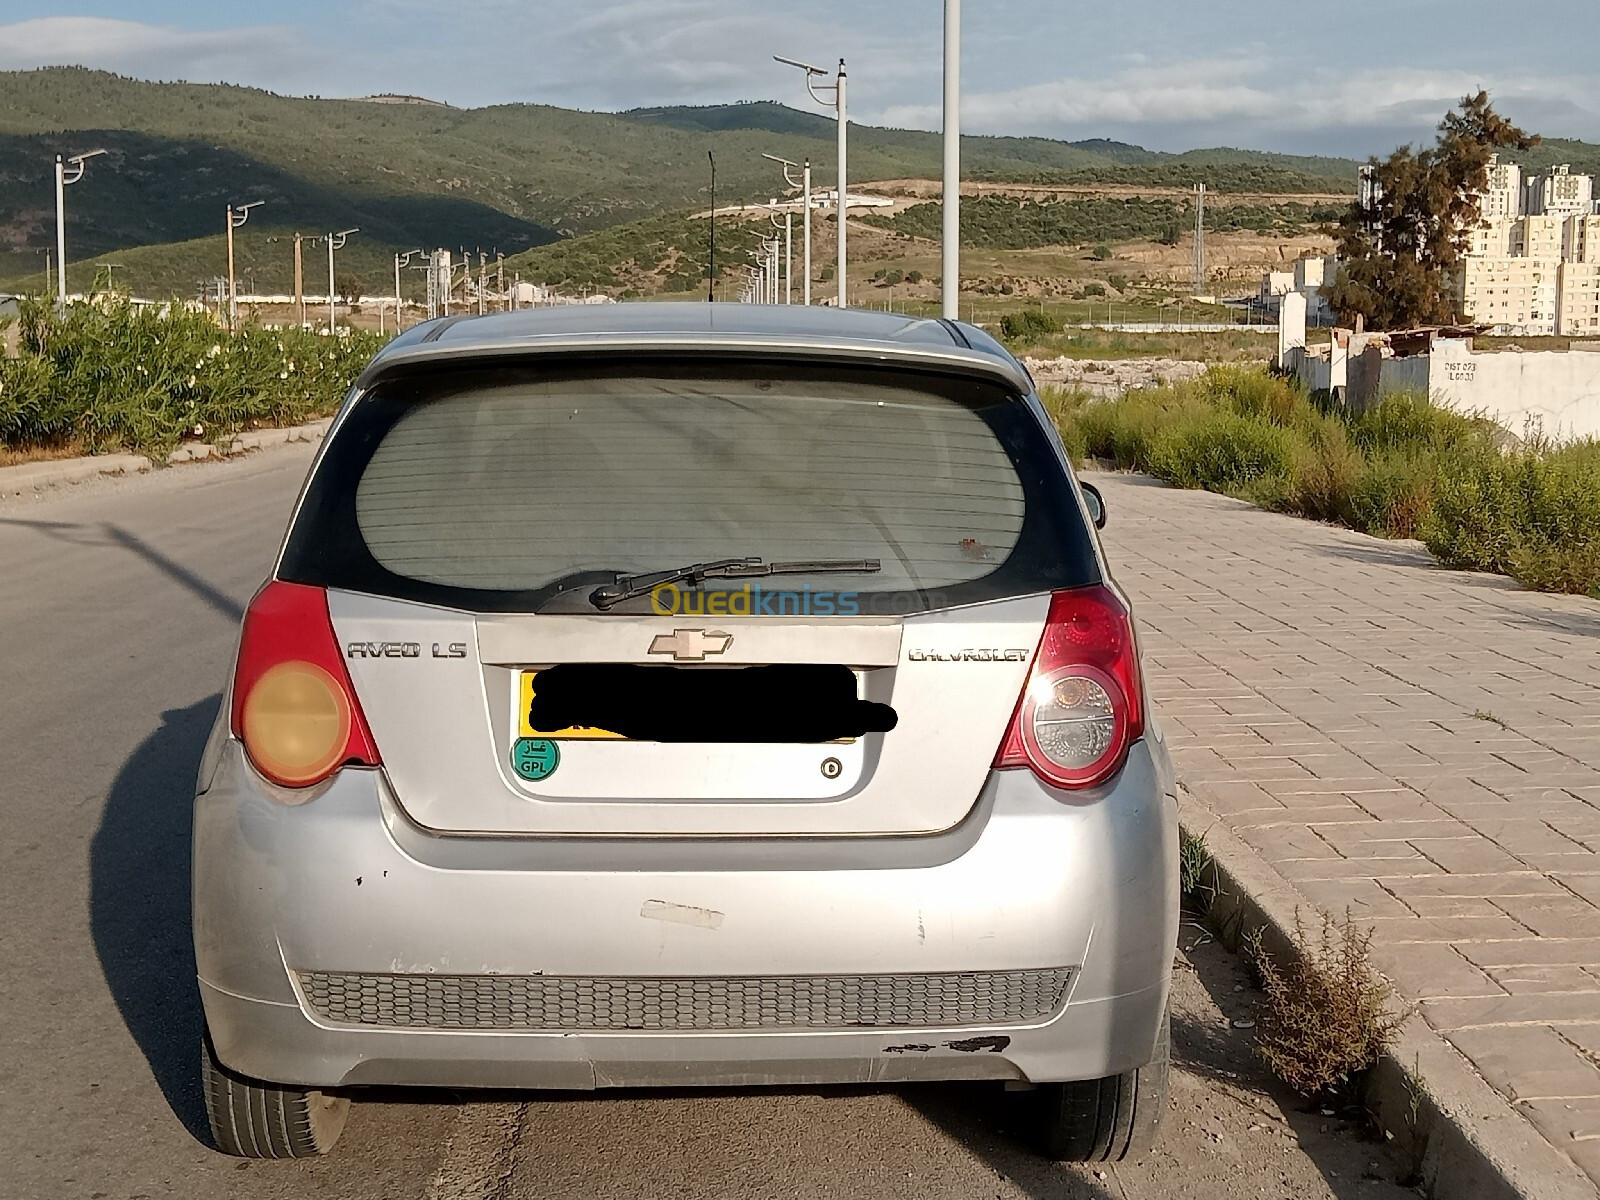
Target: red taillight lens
(293,706)
(1083,704)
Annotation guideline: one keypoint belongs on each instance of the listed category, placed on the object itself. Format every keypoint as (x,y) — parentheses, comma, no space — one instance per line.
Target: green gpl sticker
(535,758)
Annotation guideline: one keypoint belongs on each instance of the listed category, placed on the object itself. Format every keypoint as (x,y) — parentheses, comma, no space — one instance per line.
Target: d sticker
(535,758)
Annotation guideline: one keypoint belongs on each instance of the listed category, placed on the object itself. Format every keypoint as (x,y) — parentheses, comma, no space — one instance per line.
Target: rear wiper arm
(629,586)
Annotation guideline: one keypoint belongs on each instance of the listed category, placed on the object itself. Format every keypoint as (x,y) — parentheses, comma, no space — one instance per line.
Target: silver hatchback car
(674,695)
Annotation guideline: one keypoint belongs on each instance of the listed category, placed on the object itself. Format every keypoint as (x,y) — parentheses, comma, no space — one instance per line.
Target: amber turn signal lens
(296,723)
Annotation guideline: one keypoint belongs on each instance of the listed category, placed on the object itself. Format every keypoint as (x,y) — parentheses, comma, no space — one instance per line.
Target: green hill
(506,178)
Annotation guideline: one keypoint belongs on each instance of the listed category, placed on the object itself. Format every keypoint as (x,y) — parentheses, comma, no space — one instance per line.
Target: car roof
(799,330)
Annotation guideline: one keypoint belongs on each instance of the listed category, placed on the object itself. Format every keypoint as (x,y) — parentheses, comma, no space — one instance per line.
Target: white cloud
(251,54)
(1191,86)
(1242,98)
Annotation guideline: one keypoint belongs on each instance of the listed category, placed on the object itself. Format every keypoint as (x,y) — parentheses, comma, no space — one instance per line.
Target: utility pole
(788,257)
(400,260)
(950,265)
(237,216)
(711,271)
(335,241)
(838,104)
(68,172)
(1200,239)
(299,280)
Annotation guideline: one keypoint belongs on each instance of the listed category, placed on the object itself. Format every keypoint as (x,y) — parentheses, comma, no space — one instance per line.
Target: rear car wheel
(252,1119)
(1111,1119)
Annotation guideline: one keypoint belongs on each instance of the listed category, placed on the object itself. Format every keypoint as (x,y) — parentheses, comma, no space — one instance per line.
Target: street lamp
(401,260)
(335,241)
(837,103)
(76,165)
(788,272)
(237,216)
(711,272)
(804,184)
(788,252)
(950,265)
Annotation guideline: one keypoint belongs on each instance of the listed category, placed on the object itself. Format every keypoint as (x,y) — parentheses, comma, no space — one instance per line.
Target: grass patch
(1197,873)
(1401,468)
(1325,1016)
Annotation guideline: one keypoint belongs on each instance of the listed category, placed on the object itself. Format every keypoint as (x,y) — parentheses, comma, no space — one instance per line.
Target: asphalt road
(119,603)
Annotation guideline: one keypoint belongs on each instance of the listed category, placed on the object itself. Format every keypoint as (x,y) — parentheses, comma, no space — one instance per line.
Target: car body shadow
(139,904)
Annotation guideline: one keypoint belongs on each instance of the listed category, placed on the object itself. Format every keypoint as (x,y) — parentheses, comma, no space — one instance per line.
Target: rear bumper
(1033,880)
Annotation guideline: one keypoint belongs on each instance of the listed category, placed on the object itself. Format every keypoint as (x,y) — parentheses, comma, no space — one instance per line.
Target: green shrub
(1558,543)
(1028,323)
(1251,392)
(1123,431)
(1473,521)
(112,374)
(1403,468)
(1221,451)
(1094,289)
(1394,494)
(1327,469)
(1408,421)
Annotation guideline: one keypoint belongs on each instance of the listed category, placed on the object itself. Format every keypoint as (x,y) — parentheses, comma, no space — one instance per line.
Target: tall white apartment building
(1539,237)
(1560,193)
(1532,266)
(1493,238)
(1579,314)
(1582,241)
(1503,197)
(1521,295)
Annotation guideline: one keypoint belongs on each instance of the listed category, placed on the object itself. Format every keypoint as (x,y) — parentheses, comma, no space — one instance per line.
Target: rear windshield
(502,489)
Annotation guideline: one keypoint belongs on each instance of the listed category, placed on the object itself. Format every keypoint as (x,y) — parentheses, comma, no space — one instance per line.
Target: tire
(1111,1119)
(251,1119)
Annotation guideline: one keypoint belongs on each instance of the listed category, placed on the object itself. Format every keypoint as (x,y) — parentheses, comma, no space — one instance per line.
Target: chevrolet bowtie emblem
(690,645)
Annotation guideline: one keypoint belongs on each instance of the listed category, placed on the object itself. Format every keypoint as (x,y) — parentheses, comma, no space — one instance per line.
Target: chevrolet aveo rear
(678,696)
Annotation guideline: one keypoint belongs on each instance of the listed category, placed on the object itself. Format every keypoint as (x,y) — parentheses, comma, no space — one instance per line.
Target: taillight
(293,706)
(1083,704)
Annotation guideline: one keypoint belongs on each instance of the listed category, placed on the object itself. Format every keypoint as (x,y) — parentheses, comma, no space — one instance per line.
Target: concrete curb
(39,476)
(1465,1138)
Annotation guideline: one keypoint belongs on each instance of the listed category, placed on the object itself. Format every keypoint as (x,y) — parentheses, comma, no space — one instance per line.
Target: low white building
(1307,277)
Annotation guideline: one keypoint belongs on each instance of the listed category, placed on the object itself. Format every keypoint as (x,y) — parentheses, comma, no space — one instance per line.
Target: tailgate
(443,692)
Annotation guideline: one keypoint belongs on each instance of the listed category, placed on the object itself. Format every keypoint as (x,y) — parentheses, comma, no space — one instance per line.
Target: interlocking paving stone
(1417,746)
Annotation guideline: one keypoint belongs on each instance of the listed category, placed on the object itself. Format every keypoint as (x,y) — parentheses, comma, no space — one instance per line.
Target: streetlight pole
(68,172)
(711,272)
(950,266)
(400,260)
(804,184)
(237,216)
(335,241)
(837,103)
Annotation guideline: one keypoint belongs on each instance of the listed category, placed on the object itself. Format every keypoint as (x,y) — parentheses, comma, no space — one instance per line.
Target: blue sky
(1354,78)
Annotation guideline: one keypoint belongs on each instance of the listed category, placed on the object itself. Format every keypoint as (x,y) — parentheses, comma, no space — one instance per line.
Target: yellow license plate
(572,733)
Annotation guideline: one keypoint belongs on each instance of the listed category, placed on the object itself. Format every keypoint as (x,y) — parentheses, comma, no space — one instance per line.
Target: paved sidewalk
(1418,745)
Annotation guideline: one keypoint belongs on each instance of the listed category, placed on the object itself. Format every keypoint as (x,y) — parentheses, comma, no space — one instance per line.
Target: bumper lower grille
(554,1002)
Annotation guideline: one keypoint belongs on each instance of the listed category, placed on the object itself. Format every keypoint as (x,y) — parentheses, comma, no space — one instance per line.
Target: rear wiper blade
(627,587)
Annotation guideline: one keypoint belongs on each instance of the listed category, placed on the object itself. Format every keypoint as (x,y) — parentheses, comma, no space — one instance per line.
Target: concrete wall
(1558,392)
